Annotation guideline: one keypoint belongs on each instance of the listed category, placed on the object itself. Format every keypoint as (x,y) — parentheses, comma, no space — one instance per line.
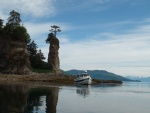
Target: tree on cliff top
(55,29)
(13,31)
(14,19)
(1,23)
(52,35)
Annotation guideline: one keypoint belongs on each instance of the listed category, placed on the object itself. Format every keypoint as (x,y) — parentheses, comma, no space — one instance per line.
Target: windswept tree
(55,29)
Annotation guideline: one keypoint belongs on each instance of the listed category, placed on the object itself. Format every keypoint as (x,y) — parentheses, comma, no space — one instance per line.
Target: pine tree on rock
(14,19)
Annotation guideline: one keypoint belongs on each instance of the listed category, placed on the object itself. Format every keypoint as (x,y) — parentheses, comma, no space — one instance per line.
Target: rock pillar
(53,56)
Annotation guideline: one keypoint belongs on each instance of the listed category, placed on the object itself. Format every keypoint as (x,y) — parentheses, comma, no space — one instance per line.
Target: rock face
(14,57)
(53,56)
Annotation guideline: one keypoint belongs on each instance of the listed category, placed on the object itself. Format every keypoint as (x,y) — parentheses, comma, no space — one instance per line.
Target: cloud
(3,16)
(111,51)
(86,5)
(122,53)
(63,38)
(131,71)
(98,5)
(38,8)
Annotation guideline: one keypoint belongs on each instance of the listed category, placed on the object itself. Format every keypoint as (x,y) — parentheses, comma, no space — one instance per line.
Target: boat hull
(83,81)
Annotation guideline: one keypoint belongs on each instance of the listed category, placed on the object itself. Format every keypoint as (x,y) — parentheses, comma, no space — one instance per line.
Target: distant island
(101,75)
(142,79)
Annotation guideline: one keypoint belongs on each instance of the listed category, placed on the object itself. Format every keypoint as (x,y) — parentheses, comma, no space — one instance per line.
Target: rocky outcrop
(53,56)
(14,57)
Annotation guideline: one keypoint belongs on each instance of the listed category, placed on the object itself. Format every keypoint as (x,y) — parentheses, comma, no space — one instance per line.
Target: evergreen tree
(20,33)
(32,48)
(1,23)
(36,57)
(14,19)
(13,31)
(40,55)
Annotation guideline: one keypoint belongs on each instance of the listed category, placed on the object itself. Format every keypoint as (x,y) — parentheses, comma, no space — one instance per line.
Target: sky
(111,35)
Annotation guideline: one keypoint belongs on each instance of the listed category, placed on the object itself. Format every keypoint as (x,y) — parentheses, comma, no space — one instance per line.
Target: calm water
(126,98)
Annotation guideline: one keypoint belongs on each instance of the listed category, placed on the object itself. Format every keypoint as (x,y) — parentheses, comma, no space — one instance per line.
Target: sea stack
(53,56)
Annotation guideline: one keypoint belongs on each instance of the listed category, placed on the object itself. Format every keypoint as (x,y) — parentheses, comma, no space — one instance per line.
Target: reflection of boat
(83,78)
(83,90)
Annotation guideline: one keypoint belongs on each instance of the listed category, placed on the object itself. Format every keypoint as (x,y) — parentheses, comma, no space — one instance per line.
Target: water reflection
(36,97)
(13,98)
(102,98)
(83,90)
(21,98)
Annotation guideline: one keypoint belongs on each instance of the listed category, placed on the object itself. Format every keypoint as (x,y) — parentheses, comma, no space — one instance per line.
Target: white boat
(83,78)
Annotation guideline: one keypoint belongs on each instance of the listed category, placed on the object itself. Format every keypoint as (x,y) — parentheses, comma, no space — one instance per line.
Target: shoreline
(47,78)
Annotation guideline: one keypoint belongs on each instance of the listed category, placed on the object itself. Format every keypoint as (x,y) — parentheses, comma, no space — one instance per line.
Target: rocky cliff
(53,56)
(14,57)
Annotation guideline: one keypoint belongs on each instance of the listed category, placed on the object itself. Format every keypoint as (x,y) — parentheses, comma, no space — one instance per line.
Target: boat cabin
(82,75)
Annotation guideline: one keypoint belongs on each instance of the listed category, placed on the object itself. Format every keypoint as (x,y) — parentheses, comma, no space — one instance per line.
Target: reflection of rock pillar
(53,56)
(51,100)
(13,98)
